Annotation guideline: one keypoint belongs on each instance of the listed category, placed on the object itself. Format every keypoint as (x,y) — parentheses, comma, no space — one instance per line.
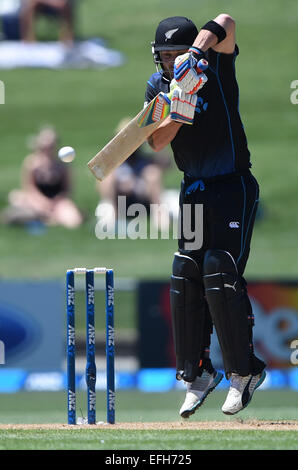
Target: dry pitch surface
(179,425)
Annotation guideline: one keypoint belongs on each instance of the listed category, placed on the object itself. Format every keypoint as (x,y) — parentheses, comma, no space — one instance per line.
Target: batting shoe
(198,391)
(241,392)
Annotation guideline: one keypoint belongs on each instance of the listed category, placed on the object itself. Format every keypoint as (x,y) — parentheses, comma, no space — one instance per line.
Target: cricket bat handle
(202,65)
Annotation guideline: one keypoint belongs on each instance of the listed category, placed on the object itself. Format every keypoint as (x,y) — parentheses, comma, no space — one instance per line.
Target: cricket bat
(134,134)
(131,137)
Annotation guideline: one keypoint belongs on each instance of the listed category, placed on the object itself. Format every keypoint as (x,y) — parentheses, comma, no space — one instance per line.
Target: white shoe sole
(260,381)
(190,411)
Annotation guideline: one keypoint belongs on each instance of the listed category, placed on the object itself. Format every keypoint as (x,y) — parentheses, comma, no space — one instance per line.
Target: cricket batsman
(208,140)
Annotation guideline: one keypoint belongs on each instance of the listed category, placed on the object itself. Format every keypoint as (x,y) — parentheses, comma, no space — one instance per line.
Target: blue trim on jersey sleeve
(154,79)
(151,84)
(226,106)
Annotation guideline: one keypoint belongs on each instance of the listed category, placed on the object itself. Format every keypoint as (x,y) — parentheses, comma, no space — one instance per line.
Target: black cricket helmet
(174,33)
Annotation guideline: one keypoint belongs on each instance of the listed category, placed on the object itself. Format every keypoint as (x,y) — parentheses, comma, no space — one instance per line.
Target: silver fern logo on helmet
(170,33)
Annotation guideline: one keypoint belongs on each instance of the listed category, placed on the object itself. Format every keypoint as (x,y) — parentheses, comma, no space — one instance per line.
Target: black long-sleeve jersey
(216,142)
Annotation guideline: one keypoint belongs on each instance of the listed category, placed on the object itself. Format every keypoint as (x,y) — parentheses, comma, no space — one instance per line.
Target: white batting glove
(188,73)
(183,105)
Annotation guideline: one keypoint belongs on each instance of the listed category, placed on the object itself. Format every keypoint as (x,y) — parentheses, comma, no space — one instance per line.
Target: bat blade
(131,137)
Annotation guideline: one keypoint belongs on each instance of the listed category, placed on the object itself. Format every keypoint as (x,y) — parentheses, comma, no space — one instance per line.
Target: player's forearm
(207,39)
(164,134)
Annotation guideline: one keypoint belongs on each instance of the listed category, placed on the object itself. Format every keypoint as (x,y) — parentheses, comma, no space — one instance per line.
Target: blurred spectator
(61,9)
(140,180)
(9,14)
(44,195)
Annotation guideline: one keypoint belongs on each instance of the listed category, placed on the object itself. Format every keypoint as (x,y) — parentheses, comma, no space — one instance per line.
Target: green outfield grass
(86,105)
(134,406)
(147,440)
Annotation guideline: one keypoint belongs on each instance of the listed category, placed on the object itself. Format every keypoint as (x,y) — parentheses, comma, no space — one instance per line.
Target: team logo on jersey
(170,33)
(234,224)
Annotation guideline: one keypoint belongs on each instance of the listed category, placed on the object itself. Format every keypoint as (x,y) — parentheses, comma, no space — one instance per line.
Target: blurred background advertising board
(275,308)
(31,324)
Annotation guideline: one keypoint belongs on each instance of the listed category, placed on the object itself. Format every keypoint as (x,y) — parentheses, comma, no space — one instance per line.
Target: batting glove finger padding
(183,106)
(187,75)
